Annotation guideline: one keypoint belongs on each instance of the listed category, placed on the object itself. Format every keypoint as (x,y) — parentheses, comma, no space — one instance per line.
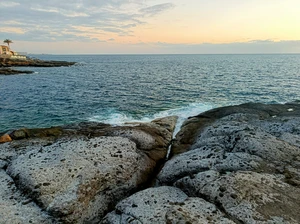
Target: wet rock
(19,134)
(8,71)
(33,63)
(36,133)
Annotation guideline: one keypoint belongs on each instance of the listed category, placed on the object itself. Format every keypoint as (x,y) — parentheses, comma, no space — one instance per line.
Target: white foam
(116,118)
(183,113)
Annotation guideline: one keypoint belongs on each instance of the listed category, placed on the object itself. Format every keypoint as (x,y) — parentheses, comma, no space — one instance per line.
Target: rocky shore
(5,63)
(235,164)
(9,71)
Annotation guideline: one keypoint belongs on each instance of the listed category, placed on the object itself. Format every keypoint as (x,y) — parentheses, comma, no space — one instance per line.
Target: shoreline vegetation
(7,63)
(225,166)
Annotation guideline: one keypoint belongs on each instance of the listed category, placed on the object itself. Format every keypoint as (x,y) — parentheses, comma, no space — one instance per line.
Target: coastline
(216,157)
(6,64)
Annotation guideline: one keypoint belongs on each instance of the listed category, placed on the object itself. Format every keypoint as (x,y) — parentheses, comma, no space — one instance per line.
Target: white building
(5,52)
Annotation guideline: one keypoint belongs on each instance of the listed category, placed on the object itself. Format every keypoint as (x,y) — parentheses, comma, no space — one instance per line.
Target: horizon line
(163,53)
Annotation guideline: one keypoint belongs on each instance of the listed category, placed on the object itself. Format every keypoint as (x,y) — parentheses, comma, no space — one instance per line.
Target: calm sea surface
(120,88)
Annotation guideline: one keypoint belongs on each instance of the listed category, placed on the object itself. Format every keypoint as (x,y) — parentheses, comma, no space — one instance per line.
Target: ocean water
(120,88)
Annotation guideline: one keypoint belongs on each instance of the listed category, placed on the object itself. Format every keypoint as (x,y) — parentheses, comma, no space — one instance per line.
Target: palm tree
(7,41)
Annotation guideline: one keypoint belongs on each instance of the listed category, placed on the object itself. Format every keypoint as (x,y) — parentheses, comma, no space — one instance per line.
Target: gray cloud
(156,9)
(8,4)
(250,47)
(35,20)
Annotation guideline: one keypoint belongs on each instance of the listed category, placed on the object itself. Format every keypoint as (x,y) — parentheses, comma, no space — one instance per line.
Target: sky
(151,26)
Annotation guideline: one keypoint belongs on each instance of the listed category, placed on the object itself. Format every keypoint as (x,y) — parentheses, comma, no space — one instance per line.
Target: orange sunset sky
(152,26)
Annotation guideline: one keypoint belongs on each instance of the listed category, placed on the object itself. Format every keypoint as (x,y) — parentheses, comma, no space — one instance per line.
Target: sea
(116,89)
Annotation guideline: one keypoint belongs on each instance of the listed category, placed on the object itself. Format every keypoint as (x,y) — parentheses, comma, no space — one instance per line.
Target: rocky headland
(5,63)
(9,71)
(235,164)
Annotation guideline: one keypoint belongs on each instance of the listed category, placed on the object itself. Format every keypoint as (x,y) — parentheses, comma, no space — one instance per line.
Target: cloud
(250,47)
(65,13)
(262,41)
(106,46)
(8,4)
(54,20)
(12,30)
(156,9)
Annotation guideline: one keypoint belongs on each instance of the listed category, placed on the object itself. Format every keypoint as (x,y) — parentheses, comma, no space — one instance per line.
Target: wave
(114,117)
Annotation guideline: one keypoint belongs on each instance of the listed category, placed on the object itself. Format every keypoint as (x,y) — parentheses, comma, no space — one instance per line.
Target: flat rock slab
(164,205)
(79,178)
(74,179)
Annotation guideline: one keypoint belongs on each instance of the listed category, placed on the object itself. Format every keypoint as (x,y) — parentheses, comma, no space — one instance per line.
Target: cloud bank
(77,20)
(115,26)
(249,47)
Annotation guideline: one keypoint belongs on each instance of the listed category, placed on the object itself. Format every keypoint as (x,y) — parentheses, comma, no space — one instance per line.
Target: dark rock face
(5,63)
(33,63)
(8,71)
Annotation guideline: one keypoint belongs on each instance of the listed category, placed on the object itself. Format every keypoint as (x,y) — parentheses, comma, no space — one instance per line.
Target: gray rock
(17,209)
(79,179)
(74,179)
(164,205)
(3,164)
(196,211)
(249,197)
(13,149)
(244,159)
(148,206)
(195,125)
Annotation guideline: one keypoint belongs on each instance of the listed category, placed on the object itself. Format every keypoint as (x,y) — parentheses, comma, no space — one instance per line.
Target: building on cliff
(5,52)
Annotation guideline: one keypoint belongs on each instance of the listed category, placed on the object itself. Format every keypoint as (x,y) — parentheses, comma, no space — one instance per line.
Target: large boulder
(244,159)
(195,125)
(79,179)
